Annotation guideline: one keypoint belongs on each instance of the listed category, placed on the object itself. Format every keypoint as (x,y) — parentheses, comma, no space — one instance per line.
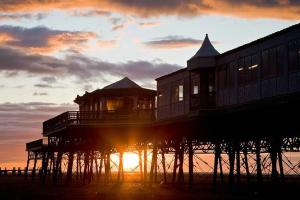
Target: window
(280,60)
(253,68)
(247,70)
(273,62)
(180,95)
(177,93)
(195,89)
(232,72)
(241,72)
(269,63)
(163,97)
(293,54)
(195,82)
(96,107)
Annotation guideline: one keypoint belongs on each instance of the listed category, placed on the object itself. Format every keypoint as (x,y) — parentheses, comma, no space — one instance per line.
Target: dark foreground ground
(16,188)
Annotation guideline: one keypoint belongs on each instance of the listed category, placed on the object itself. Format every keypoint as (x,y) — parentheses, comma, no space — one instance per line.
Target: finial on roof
(206,49)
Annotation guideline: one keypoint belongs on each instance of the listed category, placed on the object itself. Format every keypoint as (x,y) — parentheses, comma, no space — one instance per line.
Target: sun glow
(130,161)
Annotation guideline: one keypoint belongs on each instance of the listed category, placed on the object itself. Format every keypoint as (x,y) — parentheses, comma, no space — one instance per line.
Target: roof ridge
(123,83)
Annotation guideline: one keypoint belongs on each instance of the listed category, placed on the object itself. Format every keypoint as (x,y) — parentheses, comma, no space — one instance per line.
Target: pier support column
(70,167)
(153,163)
(238,163)
(145,163)
(280,162)
(231,154)
(258,161)
(191,163)
(86,167)
(175,162)
(91,172)
(221,168)
(101,165)
(163,160)
(107,168)
(217,157)
(273,155)
(140,164)
(34,165)
(57,167)
(245,156)
(27,165)
(77,165)
(181,160)
(120,171)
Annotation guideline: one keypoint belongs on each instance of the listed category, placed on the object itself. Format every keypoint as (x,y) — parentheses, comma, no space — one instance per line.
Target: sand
(17,188)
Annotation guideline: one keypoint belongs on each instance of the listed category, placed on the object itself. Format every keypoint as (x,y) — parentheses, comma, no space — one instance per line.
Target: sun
(130,161)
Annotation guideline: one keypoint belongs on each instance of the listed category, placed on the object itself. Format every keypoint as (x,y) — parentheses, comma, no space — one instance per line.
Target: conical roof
(207,49)
(123,83)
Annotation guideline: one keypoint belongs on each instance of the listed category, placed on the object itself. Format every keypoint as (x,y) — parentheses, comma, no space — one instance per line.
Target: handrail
(89,117)
(36,144)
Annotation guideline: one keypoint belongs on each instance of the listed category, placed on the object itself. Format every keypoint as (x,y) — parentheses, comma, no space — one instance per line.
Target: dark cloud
(171,42)
(82,67)
(42,39)
(42,86)
(49,79)
(280,9)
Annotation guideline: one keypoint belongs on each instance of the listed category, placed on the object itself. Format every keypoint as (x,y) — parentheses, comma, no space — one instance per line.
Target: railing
(37,144)
(87,117)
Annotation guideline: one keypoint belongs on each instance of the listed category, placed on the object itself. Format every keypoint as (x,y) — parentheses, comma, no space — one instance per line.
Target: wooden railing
(37,144)
(87,117)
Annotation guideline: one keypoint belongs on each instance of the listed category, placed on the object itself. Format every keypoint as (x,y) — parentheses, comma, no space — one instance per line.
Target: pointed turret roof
(206,49)
(123,83)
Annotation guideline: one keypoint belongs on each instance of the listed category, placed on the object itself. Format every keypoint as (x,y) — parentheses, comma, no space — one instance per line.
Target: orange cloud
(283,9)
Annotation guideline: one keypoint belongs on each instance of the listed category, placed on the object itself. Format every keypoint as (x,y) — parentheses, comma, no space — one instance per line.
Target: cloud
(49,79)
(91,13)
(173,42)
(118,23)
(77,65)
(279,9)
(148,24)
(42,39)
(116,20)
(21,123)
(20,16)
(42,86)
(118,27)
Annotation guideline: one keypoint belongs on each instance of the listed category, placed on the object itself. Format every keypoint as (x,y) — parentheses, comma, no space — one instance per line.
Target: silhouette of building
(244,101)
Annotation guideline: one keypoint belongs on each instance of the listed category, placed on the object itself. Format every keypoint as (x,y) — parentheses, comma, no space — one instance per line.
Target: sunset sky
(50,51)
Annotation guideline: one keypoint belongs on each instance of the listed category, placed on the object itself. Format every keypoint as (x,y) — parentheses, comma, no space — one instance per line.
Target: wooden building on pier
(243,100)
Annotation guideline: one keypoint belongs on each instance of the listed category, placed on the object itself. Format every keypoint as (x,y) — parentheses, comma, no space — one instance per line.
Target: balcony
(75,118)
(37,145)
